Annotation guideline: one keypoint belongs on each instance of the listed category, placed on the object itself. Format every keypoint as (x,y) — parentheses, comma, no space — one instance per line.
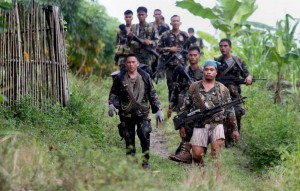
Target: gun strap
(236,61)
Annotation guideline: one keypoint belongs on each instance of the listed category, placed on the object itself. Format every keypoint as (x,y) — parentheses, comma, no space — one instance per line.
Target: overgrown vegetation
(78,148)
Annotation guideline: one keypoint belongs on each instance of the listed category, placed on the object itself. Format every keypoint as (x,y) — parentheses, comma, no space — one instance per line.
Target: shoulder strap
(194,89)
(237,60)
(227,69)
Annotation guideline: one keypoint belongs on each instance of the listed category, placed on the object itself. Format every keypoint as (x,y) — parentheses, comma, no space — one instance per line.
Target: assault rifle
(235,80)
(177,55)
(180,70)
(185,118)
(122,27)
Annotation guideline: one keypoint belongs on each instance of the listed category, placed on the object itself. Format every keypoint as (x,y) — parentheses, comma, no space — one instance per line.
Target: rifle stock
(184,118)
(122,27)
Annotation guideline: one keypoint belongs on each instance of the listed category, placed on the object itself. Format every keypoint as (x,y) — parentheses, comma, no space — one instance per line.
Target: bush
(267,128)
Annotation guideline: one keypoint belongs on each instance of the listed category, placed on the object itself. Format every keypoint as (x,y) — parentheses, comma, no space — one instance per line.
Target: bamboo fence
(32,56)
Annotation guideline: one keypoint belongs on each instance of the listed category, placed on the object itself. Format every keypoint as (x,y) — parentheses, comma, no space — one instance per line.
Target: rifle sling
(236,61)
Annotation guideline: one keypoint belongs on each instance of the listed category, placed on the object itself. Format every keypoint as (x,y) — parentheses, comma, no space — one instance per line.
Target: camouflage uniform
(198,43)
(161,28)
(144,32)
(239,69)
(181,86)
(168,40)
(180,92)
(200,99)
(121,49)
(134,112)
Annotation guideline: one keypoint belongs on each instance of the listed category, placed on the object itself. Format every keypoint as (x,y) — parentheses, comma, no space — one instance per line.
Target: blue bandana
(211,63)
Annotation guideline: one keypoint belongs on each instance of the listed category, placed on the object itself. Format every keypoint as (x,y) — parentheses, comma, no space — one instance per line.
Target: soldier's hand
(147,42)
(111,110)
(182,132)
(130,34)
(174,49)
(170,111)
(248,80)
(236,136)
(159,115)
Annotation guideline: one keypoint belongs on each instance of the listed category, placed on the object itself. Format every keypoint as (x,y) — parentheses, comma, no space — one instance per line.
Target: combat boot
(183,155)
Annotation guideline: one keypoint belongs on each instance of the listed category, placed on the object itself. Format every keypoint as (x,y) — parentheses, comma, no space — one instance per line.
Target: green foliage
(289,172)
(225,15)
(90,35)
(267,130)
(90,40)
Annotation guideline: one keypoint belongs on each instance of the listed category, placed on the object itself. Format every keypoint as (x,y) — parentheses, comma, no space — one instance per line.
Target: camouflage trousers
(143,131)
(169,77)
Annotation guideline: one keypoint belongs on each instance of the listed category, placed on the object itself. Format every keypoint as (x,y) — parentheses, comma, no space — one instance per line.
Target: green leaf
(208,37)
(196,9)
(229,8)
(2,98)
(280,47)
(5,5)
(257,25)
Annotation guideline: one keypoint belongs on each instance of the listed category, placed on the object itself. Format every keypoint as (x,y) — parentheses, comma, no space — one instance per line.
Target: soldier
(206,94)
(180,92)
(134,91)
(121,48)
(149,37)
(235,67)
(171,43)
(159,23)
(199,41)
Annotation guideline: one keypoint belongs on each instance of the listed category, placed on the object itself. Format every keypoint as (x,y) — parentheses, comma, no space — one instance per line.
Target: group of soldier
(143,51)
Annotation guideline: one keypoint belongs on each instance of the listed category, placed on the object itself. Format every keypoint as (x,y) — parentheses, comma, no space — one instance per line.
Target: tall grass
(78,148)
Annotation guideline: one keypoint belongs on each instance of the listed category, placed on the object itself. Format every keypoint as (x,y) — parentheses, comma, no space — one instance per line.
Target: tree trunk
(81,66)
(277,98)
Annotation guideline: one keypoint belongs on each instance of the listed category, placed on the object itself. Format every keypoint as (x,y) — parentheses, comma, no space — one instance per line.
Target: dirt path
(158,143)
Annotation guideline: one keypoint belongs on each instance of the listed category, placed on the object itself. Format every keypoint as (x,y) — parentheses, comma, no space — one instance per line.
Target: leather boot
(184,155)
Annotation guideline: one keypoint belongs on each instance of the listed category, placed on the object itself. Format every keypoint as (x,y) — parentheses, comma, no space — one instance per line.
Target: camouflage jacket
(121,46)
(198,43)
(238,70)
(198,98)
(168,40)
(181,86)
(119,95)
(161,28)
(144,32)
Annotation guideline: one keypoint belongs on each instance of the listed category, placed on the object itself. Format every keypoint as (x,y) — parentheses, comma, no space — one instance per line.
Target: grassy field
(78,148)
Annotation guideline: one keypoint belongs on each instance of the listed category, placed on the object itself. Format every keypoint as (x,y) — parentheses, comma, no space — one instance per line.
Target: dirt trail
(158,143)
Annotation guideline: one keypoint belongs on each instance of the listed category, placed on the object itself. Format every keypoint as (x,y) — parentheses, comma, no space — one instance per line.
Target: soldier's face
(209,72)
(132,64)
(193,56)
(157,15)
(128,18)
(142,16)
(175,22)
(225,49)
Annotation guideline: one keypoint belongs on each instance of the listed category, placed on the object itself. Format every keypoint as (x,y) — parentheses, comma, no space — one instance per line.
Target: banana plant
(284,53)
(225,15)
